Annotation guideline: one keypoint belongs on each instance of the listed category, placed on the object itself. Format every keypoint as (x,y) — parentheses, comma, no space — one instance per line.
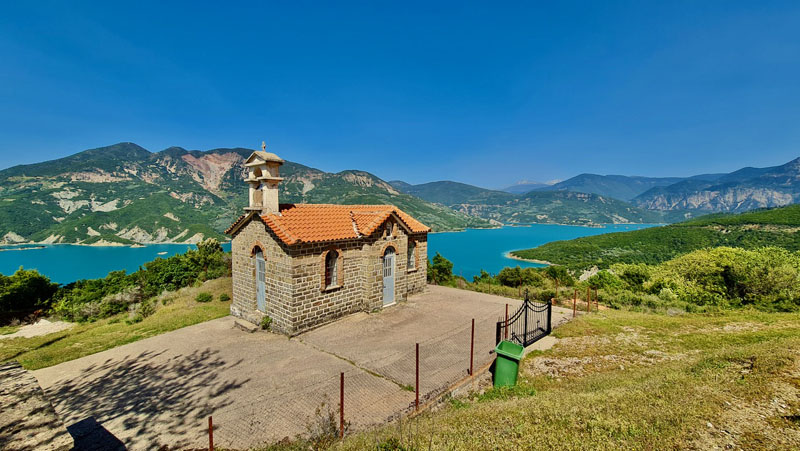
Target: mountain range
(742,190)
(557,207)
(125,194)
(745,189)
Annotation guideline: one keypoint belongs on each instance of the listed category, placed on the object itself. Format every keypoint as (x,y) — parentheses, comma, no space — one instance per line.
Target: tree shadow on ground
(147,400)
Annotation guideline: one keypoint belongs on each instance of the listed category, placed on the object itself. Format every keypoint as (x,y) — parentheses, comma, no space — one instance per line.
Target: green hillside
(775,227)
(554,207)
(125,194)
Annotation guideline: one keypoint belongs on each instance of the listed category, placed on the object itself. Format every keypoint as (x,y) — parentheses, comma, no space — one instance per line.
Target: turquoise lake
(470,251)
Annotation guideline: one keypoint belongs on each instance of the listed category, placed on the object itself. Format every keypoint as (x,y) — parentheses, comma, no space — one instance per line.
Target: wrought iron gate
(527,324)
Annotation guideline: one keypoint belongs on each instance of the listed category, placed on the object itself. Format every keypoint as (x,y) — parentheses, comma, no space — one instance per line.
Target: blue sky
(484,93)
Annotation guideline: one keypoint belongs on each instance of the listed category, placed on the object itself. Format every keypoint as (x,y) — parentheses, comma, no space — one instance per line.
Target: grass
(627,380)
(88,338)
(8,330)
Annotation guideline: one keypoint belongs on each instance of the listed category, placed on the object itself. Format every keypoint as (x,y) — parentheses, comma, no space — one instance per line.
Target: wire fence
(374,392)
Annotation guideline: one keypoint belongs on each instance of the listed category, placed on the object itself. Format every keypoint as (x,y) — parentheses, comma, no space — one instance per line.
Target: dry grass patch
(624,380)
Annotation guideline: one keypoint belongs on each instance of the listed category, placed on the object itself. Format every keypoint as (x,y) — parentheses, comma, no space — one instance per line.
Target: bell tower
(263,177)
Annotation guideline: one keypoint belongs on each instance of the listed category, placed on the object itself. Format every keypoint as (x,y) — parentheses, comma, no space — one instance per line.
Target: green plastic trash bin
(506,366)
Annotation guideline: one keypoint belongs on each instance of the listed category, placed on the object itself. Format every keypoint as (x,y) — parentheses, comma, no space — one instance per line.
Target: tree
(25,291)
(559,274)
(510,277)
(485,277)
(604,280)
(441,270)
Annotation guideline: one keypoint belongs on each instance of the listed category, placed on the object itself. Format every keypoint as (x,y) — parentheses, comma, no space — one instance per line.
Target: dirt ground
(262,387)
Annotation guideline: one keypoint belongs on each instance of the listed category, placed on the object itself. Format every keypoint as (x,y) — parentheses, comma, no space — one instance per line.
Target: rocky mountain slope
(742,190)
(125,194)
(621,187)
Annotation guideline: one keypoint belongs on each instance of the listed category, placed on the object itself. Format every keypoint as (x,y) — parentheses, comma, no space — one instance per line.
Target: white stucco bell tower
(263,177)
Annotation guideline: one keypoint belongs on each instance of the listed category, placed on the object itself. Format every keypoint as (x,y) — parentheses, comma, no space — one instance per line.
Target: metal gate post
(525,331)
(505,327)
(549,317)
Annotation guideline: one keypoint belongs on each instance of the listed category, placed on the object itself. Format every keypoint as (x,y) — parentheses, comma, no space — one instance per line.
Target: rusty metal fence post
(575,303)
(210,434)
(416,402)
(588,299)
(472,347)
(557,290)
(341,405)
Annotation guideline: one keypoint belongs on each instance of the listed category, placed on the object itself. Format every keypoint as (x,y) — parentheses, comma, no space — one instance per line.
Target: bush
(224,297)
(634,276)
(88,300)
(204,297)
(561,274)
(25,291)
(485,277)
(266,322)
(605,280)
(516,277)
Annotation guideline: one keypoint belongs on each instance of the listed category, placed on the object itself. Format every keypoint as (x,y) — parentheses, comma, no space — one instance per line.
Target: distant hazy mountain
(559,207)
(126,194)
(524,186)
(741,190)
(452,193)
(616,186)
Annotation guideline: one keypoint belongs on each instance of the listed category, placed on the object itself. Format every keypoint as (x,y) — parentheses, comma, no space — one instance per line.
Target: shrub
(25,290)
(604,280)
(561,274)
(224,297)
(266,322)
(484,277)
(634,276)
(323,429)
(204,297)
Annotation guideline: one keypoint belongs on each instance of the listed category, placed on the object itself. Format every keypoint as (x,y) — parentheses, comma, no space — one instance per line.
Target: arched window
(331,269)
(412,255)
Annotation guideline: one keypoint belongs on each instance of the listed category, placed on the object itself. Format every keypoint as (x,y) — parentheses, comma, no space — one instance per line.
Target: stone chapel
(304,265)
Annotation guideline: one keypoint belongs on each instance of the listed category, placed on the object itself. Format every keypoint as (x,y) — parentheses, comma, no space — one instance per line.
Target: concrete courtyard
(262,387)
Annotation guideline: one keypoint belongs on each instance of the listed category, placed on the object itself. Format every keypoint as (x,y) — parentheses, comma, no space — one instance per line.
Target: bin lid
(509,349)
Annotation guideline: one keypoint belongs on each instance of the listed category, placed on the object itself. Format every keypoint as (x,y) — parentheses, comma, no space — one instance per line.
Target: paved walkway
(263,387)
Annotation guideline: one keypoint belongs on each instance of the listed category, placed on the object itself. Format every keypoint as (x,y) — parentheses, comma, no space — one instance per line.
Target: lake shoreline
(530,260)
(103,243)
(520,225)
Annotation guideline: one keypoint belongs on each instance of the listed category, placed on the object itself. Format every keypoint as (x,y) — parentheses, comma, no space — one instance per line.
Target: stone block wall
(278,277)
(312,302)
(417,279)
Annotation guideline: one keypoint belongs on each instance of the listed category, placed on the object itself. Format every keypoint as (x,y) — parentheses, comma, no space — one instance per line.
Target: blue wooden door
(388,276)
(261,282)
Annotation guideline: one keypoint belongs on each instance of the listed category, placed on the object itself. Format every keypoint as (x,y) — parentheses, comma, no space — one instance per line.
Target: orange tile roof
(311,223)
